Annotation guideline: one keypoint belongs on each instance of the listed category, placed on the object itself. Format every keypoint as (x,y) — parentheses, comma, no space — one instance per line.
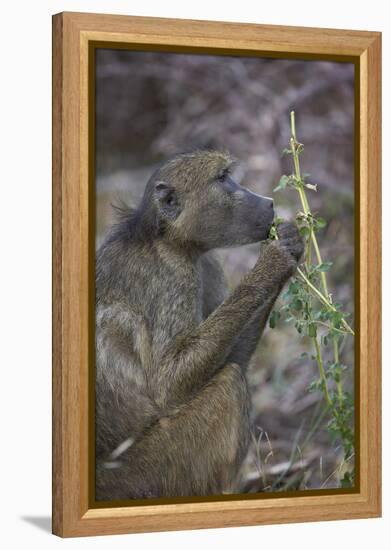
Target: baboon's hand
(282,256)
(290,240)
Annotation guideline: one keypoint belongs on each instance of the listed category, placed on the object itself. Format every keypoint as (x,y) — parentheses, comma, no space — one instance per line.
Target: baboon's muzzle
(258,213)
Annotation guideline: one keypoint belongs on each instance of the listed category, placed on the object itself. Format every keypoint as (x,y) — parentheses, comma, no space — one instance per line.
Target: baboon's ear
(167,199)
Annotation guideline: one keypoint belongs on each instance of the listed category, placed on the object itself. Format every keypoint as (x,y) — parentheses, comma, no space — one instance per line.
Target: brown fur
(172,347)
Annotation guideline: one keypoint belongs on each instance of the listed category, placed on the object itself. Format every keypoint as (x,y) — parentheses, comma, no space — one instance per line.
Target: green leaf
(297,304)
(282,183)
(312,332)
(347,480)
(274,317)
(324,266)
(320,223)
(294,287)
(286,152)
(304,231)
(273,233)
(336,317)
(315,385)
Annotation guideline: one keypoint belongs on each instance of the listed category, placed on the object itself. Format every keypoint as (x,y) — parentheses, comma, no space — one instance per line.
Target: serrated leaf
(294,287)
(324,266)
(336,317)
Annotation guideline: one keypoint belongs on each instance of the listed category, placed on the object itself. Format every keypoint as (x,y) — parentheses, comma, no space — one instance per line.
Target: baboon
(172,346)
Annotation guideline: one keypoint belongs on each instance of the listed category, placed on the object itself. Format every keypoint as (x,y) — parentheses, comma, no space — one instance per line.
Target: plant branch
(321,371)
(339,383)
(303,197)
(323,299)
(307,313)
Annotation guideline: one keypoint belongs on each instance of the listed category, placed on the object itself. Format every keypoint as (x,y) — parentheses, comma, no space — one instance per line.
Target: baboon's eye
(165,194)
(222,177)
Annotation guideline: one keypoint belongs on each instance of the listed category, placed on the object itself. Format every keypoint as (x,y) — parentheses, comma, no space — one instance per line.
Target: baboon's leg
(196,450)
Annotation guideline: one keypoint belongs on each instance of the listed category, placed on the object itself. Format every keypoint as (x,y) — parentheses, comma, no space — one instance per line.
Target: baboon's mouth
(265,225)
(264,230)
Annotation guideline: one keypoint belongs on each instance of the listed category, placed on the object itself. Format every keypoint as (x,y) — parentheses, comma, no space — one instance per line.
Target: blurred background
(150,106)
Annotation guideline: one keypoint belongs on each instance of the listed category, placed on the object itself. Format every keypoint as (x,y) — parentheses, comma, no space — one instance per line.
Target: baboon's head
(197,202)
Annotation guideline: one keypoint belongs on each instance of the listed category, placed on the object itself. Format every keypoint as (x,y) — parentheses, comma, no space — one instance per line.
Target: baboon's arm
(214,294)
(193,358)
(248,339)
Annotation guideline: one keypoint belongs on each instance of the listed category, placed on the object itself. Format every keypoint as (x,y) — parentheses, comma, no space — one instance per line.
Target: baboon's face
(201,204)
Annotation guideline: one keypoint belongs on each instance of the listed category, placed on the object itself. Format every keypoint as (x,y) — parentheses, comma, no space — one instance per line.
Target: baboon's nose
(270,202)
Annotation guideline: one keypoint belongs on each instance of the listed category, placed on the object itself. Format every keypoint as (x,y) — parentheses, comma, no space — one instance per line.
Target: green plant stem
(335,401)
(339,383)
(325,296)
(319,360)
(323,299)
(328,326)
(304,201)
(321,371)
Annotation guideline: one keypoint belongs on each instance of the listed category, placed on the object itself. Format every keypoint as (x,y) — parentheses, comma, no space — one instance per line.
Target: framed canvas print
(216,274)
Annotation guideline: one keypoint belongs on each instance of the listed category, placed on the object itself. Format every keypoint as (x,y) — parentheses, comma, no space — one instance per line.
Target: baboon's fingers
(294,246)
(297,251)
(287,230)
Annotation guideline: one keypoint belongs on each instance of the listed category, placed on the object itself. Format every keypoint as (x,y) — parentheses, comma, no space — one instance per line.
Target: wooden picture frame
(74,34)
